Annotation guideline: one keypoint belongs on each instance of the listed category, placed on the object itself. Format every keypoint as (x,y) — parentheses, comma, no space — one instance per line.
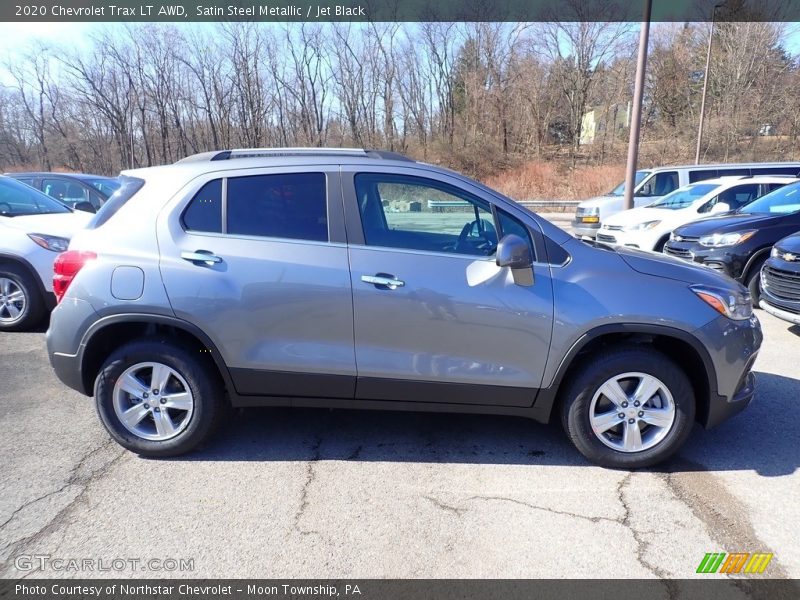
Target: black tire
(659,247)
(34,308)
(753,281)
(593,373)
(198,372)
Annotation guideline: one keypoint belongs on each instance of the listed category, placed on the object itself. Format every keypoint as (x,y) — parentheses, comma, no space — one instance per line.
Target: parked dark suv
(361,279)
(780,280)
(738,243)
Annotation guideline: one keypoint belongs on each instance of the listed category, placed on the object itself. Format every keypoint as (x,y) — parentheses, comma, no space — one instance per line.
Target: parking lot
(361,494)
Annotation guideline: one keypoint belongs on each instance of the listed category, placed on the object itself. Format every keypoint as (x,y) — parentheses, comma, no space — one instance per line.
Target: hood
(60,224)
(642,214)
(790,244)
(662,265)
(728,223)
(598,200)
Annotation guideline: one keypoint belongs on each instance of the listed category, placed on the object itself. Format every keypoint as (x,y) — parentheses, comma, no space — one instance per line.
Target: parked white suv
(652,184)
(648,227)
(34,228)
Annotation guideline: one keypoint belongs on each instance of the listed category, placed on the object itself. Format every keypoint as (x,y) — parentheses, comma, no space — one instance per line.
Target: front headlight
(50,242)
(641,226)
(774,252)
(719,240)
(736,305)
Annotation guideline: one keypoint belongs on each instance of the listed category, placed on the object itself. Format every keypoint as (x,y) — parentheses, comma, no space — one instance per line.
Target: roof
(724,165)
(240,153)
(52,173)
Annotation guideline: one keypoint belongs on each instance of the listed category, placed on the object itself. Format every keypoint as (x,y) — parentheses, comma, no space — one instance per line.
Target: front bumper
(721,260)
(581,229)
(733,347)
(643,240)
(785,315)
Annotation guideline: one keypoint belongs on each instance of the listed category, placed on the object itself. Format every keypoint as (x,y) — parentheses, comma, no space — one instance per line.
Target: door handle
(383,281)
(201,256)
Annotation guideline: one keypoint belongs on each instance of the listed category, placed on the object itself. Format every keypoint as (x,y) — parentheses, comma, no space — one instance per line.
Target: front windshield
(18,199)
(784,200)
(684,197)
(105,185)
(638,178)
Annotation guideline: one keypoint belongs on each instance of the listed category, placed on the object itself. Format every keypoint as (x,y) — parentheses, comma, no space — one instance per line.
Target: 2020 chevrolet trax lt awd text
(362,279)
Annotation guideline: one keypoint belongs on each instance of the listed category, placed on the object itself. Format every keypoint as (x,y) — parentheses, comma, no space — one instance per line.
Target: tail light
(65,267)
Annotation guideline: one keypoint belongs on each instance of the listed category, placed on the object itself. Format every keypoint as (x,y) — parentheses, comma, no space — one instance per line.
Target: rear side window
(702,175)
(204,212)
(288,205)
(127,190)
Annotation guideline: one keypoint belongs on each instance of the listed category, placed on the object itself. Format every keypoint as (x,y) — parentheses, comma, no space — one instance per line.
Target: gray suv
(363,279)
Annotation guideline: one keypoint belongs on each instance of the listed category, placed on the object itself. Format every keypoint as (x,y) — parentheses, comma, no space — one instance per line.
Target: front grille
(782,284)
(686,238)
(601,237)
(679,252)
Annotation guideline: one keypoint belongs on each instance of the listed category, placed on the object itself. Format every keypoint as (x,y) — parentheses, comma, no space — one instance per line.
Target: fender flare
(145,318)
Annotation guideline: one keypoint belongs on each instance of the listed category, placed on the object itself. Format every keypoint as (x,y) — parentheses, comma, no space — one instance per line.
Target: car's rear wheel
(156,398)
(21,304)
(628,407)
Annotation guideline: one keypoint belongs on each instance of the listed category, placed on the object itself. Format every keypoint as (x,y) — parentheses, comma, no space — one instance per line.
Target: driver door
(435,319)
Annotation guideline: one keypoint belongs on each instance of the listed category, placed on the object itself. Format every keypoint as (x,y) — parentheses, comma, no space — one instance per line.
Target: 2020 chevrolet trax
(362,279)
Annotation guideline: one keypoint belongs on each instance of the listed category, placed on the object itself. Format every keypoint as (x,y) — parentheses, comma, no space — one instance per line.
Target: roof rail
(286,152)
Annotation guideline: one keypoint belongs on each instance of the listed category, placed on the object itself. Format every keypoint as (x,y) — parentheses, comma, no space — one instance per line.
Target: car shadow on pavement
(763,438)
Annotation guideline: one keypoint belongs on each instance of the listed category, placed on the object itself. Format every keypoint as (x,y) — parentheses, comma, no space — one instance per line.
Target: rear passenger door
(258,261)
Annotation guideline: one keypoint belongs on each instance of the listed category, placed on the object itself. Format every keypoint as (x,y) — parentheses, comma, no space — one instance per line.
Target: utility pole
(636,112)
(705,86)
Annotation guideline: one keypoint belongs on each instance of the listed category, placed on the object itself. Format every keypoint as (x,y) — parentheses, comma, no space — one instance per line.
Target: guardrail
(539,205)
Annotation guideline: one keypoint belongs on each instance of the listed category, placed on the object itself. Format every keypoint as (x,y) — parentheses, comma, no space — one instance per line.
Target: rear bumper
(68,371)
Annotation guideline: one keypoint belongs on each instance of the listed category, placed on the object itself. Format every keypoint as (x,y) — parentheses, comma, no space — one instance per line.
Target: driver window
(414,213)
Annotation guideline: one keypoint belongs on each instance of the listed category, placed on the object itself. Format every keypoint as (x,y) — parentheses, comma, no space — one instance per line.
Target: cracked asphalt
(317,493)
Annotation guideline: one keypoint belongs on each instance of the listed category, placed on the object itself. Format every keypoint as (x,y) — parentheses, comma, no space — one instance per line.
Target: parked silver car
(363,279)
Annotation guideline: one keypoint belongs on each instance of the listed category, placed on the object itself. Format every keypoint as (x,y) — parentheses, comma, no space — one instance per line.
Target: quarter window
(204,212)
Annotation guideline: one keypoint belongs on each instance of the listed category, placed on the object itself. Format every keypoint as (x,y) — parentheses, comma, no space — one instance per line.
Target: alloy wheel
(632,412)
(12,300)
(153,401)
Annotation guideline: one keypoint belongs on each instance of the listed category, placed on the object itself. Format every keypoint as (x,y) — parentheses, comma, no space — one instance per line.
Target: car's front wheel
(21,304)
(628,407)
(157,398)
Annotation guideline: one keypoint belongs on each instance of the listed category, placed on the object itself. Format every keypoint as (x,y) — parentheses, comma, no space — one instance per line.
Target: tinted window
(783,201)
(702,175)
(785,170)
(67,191)
(17,199)
(660,184)
(105,185)
(289,205)
(732,172)
(204,212)
(421,214)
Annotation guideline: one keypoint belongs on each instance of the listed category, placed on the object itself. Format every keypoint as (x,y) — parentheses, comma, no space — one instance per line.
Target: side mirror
(85,206)
(720,207)
(645,190)
(515,253)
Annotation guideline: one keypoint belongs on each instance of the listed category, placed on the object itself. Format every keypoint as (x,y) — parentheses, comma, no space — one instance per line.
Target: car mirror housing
(515,253)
